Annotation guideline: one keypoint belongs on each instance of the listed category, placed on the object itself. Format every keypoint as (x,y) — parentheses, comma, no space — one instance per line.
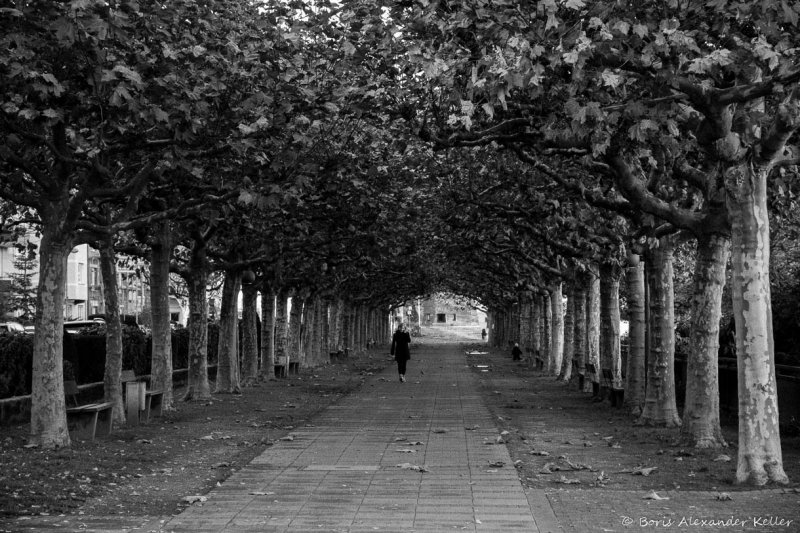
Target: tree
(22,297)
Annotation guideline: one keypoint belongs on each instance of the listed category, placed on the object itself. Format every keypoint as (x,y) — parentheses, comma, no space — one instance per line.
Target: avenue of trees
(355,155)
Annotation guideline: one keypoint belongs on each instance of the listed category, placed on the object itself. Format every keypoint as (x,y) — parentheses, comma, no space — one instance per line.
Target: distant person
(516,353)
(483,334)
(400,349)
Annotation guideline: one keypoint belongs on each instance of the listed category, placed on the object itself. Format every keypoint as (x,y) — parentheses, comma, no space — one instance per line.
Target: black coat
(400,342)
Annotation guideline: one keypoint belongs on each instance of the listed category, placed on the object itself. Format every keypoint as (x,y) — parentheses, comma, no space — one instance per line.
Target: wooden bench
(153,402)
(294,368)
(87,421)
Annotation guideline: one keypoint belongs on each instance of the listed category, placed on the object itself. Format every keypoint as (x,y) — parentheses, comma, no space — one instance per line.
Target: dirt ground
(556,435)
(598,445)
(184,453)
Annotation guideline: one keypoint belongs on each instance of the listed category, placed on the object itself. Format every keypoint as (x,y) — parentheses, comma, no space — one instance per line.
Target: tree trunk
(579,295)
(609,323)
(112,386)
(557,337)
(267,334)
(759,455)
(161,359)
(593,328)
(569,337)
(637,329)
(701,427)
(249,334)
(228,376)
(198,387)
(659,407)
(295,325)
(281,326)
(48,409)
(307,333)
(547,325)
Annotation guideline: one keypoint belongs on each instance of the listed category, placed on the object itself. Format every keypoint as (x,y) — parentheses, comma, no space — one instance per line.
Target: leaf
(610,79)
(160,115)
(575,4)
(409,466)
(653,496)
(640,30)
(567,481)
(722,458)
(644,471)
(194,499)
(348,48)
(128,74)
(724,497)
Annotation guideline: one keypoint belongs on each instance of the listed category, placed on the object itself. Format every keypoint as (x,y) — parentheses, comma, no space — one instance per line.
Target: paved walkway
(420,456)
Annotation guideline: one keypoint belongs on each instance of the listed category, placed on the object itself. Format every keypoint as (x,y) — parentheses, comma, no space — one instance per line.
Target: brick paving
(342,473)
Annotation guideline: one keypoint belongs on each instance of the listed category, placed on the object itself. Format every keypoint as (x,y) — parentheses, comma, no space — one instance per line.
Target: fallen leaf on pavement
(194,499)
(724,497)
(644,471)
(409,466)
(567,481)
(653,496)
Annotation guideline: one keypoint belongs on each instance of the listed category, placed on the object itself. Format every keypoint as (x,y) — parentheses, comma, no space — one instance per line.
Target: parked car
(75,326)
(11,327)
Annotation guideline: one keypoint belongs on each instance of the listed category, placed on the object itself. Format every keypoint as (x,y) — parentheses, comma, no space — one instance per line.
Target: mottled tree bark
(228,375)
(196,277)
(48,409)
(579,295)
(281,326)
(161,337)
(569,337)
(637,329)
(267,334)
(701,426)
(760,460)
(295,324)
(593,329)
(557,337)
(609,323)
(112,375)
(249,326)
(660,408)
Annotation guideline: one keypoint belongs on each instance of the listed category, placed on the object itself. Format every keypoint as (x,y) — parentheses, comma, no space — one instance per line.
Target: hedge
(85,355)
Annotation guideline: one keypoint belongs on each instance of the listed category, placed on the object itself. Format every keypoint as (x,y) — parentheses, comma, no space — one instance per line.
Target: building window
(94,277)
(441,317)
(454,317)
(81,266)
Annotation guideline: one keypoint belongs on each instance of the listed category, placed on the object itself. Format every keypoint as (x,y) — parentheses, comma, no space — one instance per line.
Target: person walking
(400,349)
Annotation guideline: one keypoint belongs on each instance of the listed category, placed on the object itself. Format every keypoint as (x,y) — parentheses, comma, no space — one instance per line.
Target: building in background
(449,310)
(76,299)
